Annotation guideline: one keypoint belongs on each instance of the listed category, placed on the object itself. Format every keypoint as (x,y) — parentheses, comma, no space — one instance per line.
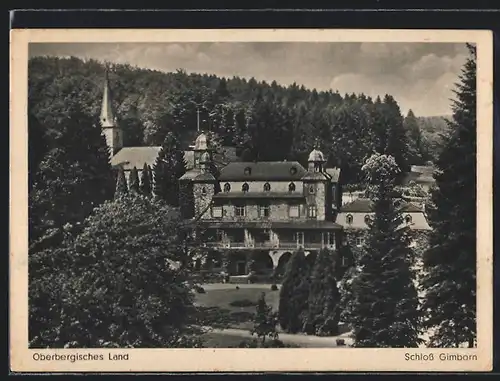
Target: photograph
(194,199)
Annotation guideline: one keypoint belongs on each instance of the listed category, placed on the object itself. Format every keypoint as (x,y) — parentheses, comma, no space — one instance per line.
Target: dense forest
(264,121)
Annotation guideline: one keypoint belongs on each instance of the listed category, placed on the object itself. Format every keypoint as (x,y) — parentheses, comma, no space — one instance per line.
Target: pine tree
(134,181)
(265,321)
(383,310)
(323,304)
(449,279)
(397,141)
(168,168)
(416,147)
(121,183)
(294,293)
(145,187)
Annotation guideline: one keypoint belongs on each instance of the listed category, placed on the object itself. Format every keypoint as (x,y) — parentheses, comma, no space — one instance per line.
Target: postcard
(251,200)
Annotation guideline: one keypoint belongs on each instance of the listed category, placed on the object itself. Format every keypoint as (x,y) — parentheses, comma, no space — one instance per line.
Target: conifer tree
(416,149)
(121,183)
(323,304)
(134,181)
(168,168)
(294,293)
(145,187)
(383,308)
(265,321)
(449,277)
(397,141)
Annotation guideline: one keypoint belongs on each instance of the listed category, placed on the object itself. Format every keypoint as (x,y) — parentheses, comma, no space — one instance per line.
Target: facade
(265,209)
(256,214)
(355,216)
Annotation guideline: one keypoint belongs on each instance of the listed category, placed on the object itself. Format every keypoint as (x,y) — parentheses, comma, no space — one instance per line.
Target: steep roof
(263,170)
(364,205)
(204,177)
(107,114)
(191,174)
(316,176)
(130,157)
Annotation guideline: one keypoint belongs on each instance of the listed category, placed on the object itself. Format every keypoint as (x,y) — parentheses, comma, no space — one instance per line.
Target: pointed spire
(107,115)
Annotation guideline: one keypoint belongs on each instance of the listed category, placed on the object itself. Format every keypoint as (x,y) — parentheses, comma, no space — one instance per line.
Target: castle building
(264,211)
(257,214)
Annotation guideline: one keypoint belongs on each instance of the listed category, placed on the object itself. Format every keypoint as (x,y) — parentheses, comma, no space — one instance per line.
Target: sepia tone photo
(219,196)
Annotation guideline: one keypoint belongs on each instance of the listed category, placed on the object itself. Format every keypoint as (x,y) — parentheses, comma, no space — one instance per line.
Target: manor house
(257,212)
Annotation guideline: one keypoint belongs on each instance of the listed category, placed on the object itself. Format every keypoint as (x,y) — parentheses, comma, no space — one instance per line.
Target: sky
(420,76)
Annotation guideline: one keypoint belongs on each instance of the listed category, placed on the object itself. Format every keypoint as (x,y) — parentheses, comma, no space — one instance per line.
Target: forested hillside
(432,128)
(265,121)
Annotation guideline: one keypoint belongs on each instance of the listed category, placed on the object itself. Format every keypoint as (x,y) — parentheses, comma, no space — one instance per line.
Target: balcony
(268,245)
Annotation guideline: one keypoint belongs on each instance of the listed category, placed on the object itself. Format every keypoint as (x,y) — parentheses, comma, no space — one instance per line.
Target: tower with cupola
(204,186)
(316,187)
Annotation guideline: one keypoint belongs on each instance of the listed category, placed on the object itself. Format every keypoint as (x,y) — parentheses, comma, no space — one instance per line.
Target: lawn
(217,305)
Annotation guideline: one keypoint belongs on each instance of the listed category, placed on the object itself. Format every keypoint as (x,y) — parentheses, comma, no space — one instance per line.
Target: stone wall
(203,194)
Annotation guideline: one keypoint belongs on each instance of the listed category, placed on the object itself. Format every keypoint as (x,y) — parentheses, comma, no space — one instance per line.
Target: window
(291,187)
(227,187)
(408,219)
(359,241)
(244,187)
(334,193)
(216,211)
(344,261)
(348,219)
(248,171)
(368,219)
(204,190)
(267,187)
(293,171)
(311,189)
(299,237)
(220,235)
(264,211)
(331,238)
(311,211)
(328,238)
(239,210)
(294,211)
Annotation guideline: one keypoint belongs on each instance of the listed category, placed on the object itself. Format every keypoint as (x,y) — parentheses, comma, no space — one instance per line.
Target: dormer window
(267,187)
(248,171)
(291,187)
(348,219)
(408,219)
(293,171)
(244,187)
(227,187)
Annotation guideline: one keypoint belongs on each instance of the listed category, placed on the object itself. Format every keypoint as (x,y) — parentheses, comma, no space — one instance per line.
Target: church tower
(111,130)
